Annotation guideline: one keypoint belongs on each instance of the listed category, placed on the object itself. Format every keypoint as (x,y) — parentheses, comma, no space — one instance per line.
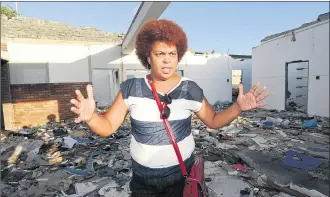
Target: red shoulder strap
(168,129)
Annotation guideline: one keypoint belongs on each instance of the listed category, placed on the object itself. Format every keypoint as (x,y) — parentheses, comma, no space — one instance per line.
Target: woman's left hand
(251,99)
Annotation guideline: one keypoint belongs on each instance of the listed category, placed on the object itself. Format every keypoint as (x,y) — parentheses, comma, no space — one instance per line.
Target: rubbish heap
(261,153)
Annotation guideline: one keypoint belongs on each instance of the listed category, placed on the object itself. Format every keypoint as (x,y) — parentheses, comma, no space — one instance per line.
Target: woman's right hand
(83,107)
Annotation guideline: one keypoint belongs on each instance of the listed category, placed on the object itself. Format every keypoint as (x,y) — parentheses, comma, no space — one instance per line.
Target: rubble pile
(65,160)
(261,153)
(283,150)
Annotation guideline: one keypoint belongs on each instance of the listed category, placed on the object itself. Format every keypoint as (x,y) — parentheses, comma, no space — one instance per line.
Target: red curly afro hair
(159,30)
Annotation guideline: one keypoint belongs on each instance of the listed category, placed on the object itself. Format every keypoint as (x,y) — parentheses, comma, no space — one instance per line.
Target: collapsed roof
(320,18)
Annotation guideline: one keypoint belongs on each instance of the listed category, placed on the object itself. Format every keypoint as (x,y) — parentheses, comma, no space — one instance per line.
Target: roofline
(320,19)
(293,31)
(58,42)
(240,56)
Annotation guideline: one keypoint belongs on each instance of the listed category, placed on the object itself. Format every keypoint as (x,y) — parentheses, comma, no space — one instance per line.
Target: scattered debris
(261,153)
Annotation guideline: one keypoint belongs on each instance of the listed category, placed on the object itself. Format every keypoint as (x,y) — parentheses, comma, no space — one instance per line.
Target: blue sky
(222,26)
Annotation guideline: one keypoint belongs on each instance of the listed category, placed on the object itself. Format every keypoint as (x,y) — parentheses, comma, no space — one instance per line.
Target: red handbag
(195,185)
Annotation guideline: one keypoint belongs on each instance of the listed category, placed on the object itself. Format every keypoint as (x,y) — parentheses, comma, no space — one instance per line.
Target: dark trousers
(169,186)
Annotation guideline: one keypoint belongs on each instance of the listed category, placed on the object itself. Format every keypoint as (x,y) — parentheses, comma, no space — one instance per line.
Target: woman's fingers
(89,90)
(83,107)
(262,97)
(76,103)
(77,120)
(258,93)
(261,105)
(75,110)
(80,97)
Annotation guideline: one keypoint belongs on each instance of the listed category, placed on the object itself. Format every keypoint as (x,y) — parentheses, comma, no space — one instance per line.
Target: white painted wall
(28,73)
(246,67)
(212,73)
(209,72)
(64,63)
(268,66)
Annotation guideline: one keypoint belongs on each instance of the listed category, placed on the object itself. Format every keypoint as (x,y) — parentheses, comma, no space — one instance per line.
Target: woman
(160,45)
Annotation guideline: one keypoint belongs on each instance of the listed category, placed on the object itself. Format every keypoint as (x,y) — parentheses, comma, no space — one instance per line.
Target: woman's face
(163,60)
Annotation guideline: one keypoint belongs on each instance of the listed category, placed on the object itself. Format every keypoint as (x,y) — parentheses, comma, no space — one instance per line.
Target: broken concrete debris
(261,153)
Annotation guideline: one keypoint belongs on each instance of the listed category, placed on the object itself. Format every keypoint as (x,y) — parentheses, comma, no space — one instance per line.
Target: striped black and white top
(151,149)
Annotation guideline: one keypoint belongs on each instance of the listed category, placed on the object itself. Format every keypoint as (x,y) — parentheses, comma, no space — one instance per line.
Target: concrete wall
(48,63)
(33,63)
(212,73)
(40,62)
(50,52)
(270,57)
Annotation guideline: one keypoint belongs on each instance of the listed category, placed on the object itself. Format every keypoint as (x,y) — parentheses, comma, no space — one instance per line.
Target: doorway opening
(114,83)
(296,85)
(237,77)
(106,86)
